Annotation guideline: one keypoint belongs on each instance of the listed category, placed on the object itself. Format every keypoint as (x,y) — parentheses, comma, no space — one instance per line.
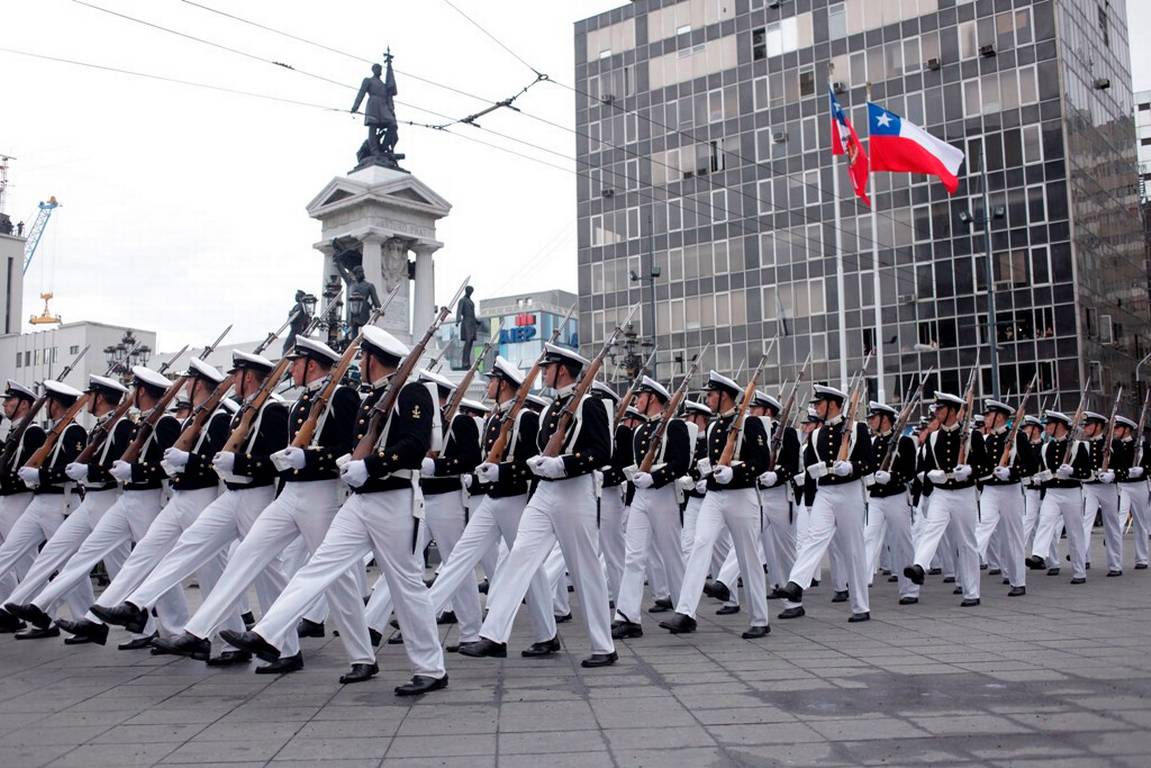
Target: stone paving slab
(1061,677)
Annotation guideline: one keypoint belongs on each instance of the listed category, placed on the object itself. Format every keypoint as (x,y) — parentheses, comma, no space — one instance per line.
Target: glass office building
(707,189)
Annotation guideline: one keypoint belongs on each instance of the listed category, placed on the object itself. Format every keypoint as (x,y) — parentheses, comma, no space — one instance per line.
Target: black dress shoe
(283,666)
(1114,574)
(969,602)
(626,630)
(123,615)
(935,572)
(1079,580)
(230,659)
(36,633)
(1017,592)
(31,613)
(718,591)
(483,586)
(792,591)
(375,636)
(1140,566)
(1036,563)
(137,643)
(1052,571)
(983,566)
(776,594)
(1086,566)
(359,673)
(948,579)
(9,623)
(252,642)
(814,583)
(858,617)
(186,644)
(792,613)
(662,605)
(909,601)
(446,618)
(563,618)
(249,619)
(91,631)
(915,573)
(308,628)
(754,633)
(727,610)
(77,640)
(892,579)
(679,624)
(840,596)
(421,684)
(397,638)
(994,571)
(542,649)
(886,571)
(484,647)
(957,591)
(600,660)
(1005,582)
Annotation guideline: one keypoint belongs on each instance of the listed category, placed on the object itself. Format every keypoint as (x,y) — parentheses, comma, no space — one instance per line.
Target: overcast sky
(183,209)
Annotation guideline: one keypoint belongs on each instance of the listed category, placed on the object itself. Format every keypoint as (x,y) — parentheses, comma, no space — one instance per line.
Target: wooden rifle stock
(785,416)
(850,416)
(44,451)
(892,447)
(16,435)
(669,412)
(1016,424)
(1110,431)
(965,416)
(728,454)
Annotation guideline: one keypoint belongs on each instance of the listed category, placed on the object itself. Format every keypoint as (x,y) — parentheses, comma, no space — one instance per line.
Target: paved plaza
(1061,677)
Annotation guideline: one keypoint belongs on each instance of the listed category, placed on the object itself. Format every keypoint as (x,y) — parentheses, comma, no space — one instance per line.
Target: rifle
(148,425)
(859,381)
(1111,431)
(16,434)
(453,405)
(383,407)
(669,412)
(728,454)
(1138,459)
(629,396)
(246,415)
(1076,423)
(901,421)
(500,446)
(785,416)
(307,430)
(1016,424)
(965,419)
(567,415)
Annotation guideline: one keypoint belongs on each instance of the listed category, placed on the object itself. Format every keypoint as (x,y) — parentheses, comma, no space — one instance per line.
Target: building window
(763,194)
(27,358)
(968,40)
(74,349)
(1103,27)
(758,44)
(718,205)
(19,360)
(807,82)
(837,21)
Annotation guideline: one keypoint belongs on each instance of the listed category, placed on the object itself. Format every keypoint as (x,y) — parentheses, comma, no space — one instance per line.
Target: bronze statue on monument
(380,118)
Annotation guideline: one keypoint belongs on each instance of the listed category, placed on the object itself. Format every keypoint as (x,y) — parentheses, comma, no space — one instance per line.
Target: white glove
(842,468)
(701,486)
(289,458)
(723,474)
(76,471)
(550,467)
(176,458)
(881,477)
(1002,473)
(488,472)
(704,467)
(225,462)
(1065,471)
(642,480)
(467,481)
(769,479)
(121,470)
(962,472)
(1106,477)
(937,476)
(1135,473)
(342,460)
(354,473)
(30,476)
(428,467)
(685,483)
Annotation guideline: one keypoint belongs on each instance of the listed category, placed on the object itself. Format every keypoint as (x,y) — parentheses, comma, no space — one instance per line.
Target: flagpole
(839,289)
(877,342)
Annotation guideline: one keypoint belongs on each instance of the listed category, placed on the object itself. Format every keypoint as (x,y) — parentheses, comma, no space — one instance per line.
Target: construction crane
(37,229)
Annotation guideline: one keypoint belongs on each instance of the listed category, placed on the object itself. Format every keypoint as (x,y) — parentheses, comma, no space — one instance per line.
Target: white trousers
(1001,508)
(739,511)
(1032,503)
(778,534)
(953,512)
(127,520)
(653,530)
(37,520)
(562,511)
(837,513)
(11,508)
(1062,506)
(1105,498)
(874,538)
(223,522)
(612,538)
(61,546)
(381,523)
(493,520)
(1133,499)
(303,509)
(896,515)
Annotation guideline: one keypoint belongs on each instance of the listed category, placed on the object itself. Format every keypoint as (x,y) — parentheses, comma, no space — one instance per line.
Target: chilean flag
(844,141)
(897,145)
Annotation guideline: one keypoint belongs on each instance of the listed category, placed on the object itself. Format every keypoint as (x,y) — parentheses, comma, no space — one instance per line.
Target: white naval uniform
(1062,505)
(1103,497)
(12,507)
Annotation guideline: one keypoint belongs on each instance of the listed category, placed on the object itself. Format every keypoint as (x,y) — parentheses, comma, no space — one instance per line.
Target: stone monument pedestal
(384,215)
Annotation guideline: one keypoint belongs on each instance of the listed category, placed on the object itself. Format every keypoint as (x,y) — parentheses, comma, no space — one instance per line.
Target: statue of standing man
(379,115)
(361,295)
(469,327)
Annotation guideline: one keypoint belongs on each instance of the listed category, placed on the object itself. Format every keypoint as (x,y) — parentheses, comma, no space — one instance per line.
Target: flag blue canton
(882,122)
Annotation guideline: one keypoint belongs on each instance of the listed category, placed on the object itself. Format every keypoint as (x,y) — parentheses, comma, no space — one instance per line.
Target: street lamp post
(127,353)
(653,272)
(992,323)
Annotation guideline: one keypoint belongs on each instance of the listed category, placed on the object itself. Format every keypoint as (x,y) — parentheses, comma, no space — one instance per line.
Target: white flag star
(883,120)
